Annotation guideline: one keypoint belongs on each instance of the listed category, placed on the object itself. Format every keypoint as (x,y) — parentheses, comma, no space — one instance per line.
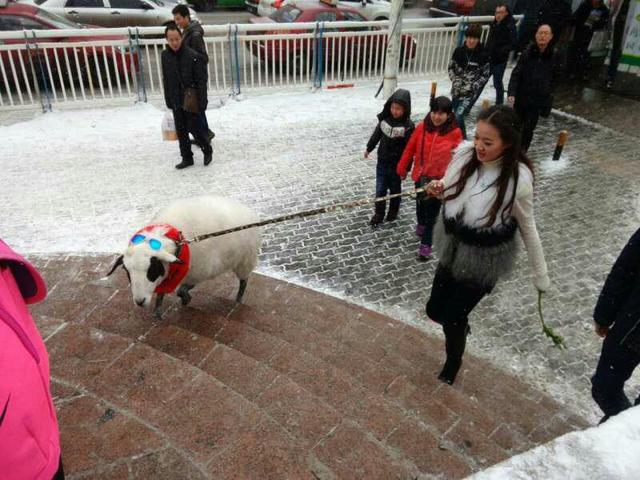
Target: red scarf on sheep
(177,271)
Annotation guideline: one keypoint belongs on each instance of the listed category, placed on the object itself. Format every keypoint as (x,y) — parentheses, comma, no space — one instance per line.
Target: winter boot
(392,214)
(378,216)
(420,230)
(377,219)
(185,163)
(450,370)
(424,252)
(210,136)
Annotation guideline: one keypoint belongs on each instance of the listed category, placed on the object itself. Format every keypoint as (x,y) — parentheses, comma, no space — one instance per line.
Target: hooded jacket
(29,437)
(468,71)
(180,70)
(392,134)
(534,78)
(193,37)
(619,300)
(503,38)
(430,149)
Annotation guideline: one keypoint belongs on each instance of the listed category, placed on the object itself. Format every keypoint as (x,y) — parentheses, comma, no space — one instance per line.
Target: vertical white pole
(393,48)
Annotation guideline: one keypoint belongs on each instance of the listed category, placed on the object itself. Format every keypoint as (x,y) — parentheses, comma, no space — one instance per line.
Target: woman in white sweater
(487,195)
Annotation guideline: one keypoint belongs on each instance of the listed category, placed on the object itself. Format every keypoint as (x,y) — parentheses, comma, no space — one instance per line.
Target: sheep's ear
(118,263)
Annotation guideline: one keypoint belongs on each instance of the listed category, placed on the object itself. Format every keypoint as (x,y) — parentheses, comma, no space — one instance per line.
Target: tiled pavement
(293,384)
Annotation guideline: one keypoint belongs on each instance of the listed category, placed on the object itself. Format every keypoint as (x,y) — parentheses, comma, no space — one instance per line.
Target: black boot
(392,214)
(450,370)
(185,163)
(455,343)
(378,216)
(208,157)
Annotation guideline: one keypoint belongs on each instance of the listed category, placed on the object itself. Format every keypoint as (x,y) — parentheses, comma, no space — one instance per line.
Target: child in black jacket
(393,131)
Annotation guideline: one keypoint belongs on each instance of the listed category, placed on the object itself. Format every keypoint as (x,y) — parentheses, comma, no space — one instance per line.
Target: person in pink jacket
(29,437)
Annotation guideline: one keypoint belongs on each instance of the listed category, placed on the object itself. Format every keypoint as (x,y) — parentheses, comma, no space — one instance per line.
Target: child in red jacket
(430,148)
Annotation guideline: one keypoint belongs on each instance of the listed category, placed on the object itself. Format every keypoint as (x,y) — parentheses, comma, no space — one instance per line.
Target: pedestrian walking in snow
(430,150)
(193,37)
(487,195)
(532,83)
(390,135)
(469,72)
(29,437)
(591,16)
(621,10)
(184,78)
(617,319)
(502,39)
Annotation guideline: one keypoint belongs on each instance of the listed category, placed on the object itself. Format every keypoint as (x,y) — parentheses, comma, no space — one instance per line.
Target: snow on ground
(608,452)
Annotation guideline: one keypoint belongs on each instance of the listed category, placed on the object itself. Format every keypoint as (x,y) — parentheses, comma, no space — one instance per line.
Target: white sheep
(157,262)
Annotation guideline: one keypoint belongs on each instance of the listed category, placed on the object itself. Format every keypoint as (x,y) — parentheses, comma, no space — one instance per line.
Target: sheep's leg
(183,293)
(156,311)
(241,289)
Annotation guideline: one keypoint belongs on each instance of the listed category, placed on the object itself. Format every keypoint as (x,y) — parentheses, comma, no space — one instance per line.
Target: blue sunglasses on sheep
(154,243)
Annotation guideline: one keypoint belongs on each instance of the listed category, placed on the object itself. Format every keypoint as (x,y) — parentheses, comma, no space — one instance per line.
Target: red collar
(177,271)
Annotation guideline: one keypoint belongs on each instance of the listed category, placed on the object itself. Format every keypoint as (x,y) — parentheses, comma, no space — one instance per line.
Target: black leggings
(60,473)
(450,304)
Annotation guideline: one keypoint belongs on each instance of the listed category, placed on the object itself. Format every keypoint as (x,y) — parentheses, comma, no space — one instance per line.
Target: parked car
(92,67)
(112,13)
(443,8)
(209,5)
(304,11)
(369,9)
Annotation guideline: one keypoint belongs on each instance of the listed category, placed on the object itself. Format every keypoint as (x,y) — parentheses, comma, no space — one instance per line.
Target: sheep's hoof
(183,293)
(241,289)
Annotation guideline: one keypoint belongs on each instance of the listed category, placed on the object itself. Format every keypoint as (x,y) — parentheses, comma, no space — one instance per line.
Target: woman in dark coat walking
(532,83)
(183,70)
(617,319)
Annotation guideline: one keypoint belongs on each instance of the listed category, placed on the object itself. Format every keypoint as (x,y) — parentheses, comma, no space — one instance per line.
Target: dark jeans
(497,72)
(427,209)
(186,123)
(450,304)
(615,367)
(461,107)
(529,117)
(387,180)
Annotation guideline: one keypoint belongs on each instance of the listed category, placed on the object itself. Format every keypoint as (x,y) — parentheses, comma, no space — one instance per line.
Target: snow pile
(610,451)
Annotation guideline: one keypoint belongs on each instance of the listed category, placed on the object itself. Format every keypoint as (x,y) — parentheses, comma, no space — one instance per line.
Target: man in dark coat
(532,83)
(591,16)
(502,39)
(193,37)
(182,68)
(617,319)
(556,14)
(621,10)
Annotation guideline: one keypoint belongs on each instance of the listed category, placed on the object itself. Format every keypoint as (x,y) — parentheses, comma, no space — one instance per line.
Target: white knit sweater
(474,202)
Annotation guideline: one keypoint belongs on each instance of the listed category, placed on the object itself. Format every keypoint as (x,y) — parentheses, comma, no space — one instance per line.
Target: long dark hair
(505,120)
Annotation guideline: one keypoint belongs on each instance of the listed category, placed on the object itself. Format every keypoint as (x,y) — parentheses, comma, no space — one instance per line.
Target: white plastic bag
(168,127)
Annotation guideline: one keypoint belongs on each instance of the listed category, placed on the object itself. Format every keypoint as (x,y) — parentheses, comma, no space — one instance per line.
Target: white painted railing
(53,67)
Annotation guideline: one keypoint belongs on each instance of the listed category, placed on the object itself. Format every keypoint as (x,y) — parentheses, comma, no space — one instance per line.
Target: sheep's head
(146,261)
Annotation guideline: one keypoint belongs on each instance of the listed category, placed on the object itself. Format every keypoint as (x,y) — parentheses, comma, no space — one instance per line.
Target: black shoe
(184,164)
(377,219)
(208,157)
(449,371)
(391,215)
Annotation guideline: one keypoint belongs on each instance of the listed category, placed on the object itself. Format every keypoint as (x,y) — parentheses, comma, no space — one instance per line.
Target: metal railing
(54,67)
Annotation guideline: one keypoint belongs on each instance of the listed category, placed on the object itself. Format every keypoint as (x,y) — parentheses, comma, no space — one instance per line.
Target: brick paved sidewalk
(293,384)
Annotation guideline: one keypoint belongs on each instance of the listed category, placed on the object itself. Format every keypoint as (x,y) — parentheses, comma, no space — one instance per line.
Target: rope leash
(306,213)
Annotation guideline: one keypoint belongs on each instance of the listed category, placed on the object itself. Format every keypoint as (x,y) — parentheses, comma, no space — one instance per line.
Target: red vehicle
(66,62)
(314,11)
